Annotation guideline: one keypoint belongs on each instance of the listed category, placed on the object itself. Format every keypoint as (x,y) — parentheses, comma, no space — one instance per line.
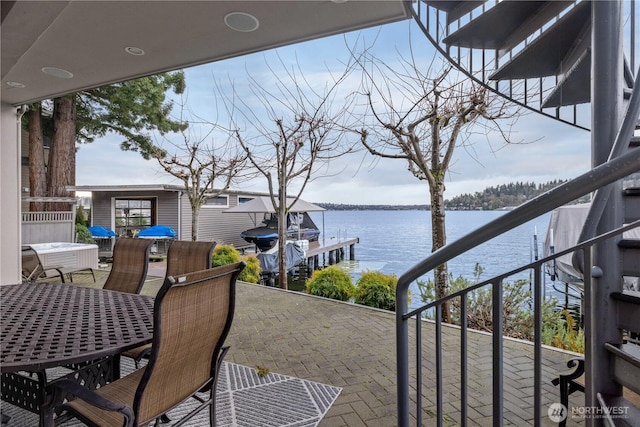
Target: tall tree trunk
(439,239)
(195,216)
(62,153)
(282,234)
(37,171)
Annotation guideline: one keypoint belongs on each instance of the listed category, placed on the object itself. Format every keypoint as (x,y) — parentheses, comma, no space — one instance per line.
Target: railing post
(419,368)
(463,360)
(402,353)
(498,393)
(537,345)
(439,380)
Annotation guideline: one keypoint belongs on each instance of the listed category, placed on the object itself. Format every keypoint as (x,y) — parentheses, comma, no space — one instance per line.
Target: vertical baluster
(463,360)
(537,345)
(419,368)
(439,366)
(498,393)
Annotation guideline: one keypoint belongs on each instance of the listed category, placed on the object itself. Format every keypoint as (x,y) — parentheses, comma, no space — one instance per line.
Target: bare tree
(206,166)
(420,114)
(288,132)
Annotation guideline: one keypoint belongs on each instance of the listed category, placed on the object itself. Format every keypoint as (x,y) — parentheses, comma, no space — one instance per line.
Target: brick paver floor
(353,347)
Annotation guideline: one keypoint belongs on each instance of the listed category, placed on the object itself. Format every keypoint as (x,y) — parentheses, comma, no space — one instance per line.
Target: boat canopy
(564,231)
(262,204)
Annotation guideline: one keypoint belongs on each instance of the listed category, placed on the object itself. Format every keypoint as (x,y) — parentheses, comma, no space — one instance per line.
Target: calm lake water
(394,241)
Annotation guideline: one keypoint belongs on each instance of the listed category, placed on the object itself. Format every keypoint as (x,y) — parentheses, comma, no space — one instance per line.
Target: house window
(133,215)
(217,202)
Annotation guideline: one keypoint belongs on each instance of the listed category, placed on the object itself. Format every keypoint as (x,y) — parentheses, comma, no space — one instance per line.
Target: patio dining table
(49,325)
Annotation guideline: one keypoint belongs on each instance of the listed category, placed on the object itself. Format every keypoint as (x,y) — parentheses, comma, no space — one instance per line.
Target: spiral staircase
(573,61)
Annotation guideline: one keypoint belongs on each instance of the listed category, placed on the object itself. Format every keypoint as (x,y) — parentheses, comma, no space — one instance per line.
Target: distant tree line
(349,207)
(492,198)
(501,196)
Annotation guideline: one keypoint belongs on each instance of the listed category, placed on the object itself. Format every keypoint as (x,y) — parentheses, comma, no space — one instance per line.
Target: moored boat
(300,226)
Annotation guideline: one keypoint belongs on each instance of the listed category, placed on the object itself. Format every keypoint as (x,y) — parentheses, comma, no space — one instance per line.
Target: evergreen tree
(501,196)
(132,109)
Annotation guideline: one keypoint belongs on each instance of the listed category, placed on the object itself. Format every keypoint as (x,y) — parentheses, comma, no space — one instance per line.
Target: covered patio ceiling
(50,48)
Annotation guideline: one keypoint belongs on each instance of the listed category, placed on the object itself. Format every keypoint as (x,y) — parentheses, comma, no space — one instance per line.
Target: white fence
(45,227)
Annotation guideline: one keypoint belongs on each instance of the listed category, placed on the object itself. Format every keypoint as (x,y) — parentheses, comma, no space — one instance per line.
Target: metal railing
(593,180)
(496,284)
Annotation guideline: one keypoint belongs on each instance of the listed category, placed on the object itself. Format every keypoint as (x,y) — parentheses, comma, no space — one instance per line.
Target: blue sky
(559,151)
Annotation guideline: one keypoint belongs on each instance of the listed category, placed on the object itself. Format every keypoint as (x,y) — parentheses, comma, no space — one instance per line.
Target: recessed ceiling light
(57,72)
(241,21)
(16,85)
(132,50)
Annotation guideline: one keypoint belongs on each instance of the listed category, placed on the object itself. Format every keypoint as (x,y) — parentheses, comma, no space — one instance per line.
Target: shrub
(517,312)
(376,289)
(251,272)
(561,331)
(83,235)
(227,254)
(331,282)
(80,216)
(224,254)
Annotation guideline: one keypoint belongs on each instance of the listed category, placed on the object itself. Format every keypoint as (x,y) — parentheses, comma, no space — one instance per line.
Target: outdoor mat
(244,399)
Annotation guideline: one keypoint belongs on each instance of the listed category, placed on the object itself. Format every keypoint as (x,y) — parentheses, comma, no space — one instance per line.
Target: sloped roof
(263,204)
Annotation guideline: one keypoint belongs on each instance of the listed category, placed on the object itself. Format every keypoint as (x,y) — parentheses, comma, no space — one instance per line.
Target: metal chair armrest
(66,387)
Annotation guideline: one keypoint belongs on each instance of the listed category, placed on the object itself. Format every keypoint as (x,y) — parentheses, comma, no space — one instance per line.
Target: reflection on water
(355,267)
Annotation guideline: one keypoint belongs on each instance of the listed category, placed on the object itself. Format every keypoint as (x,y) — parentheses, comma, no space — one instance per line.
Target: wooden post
(310,265)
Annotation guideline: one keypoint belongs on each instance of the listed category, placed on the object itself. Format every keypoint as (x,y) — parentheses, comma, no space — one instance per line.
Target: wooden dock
(332,252)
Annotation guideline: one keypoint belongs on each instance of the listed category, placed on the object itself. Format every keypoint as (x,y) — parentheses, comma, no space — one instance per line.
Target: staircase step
(492,31)
(550,53)
(455,9)
(626,365)
(630,251)
(623,412)
(635,141)
(631,197)
(632,191)
(628,308)
(574,87)
(629,243)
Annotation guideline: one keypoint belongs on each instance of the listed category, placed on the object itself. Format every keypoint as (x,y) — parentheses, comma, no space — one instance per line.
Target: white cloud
(559,151)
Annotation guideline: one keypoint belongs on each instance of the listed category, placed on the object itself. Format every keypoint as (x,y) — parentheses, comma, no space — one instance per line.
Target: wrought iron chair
(192,317)
(130,265)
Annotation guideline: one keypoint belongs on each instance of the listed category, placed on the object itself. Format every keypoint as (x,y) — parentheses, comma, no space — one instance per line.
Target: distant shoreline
(348,207)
